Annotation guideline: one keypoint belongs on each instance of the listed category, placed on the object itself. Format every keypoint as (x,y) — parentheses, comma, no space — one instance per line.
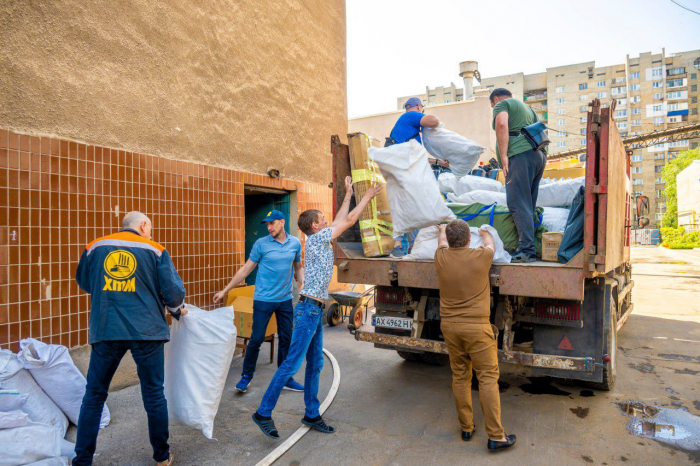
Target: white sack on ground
(54,370)
(10,419)
(30,443)
(196,365)
(444,144)
(413,191)
(559,193)
(554,219)
(39,406)
(478,197)
(426,244)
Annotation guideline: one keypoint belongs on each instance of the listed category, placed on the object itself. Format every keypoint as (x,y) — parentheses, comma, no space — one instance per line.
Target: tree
(671,170)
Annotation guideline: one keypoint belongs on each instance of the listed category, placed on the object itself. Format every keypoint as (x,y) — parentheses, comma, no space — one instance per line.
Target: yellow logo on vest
(116,285)
(120,264)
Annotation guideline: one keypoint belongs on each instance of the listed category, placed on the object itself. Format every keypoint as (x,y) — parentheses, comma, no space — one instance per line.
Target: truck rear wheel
(408,355)
(434,359)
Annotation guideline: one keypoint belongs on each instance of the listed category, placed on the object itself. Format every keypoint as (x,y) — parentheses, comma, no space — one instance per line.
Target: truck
(560,320)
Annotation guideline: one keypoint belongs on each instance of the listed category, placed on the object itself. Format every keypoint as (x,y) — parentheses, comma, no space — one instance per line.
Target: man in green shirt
(522,166)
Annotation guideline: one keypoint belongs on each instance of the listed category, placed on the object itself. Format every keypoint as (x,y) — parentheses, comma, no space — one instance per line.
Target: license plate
(401,323)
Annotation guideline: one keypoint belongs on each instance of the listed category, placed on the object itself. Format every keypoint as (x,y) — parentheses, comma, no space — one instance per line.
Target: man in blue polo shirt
(278,256)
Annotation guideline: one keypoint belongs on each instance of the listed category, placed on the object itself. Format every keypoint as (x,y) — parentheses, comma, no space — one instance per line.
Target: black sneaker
(319,424)
(267,426)
(495,445)
(467,436)
(521,257)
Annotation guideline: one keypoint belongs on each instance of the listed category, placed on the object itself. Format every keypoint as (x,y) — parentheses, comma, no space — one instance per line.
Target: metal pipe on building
(466,71)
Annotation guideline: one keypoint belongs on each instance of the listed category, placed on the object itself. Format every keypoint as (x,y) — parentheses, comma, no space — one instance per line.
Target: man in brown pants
(465,294)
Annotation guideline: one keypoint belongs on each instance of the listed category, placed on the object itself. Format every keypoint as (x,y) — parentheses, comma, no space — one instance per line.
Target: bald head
(139,222)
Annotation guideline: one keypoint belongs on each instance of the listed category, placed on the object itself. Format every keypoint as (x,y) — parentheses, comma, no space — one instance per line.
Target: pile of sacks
(555,196)
(41,391)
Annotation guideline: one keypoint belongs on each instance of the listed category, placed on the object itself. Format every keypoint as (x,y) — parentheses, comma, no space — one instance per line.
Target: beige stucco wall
(471,119)
(247,85)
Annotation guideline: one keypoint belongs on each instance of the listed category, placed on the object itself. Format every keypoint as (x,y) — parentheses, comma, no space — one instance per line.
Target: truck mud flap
(545,361)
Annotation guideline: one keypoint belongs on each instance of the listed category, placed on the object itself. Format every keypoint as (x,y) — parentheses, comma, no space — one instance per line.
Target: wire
(685,8)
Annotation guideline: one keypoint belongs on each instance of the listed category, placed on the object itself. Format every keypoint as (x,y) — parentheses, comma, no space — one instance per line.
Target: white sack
(196,365)
(559,193)
(39,407)
(30,443)
(554,219)
(11,400)
(54,370)
(444,144)
(446,182)
(471,183)
(13,419)
(479,197)
(426,244)
(413,191)
(500,254)
(56,461)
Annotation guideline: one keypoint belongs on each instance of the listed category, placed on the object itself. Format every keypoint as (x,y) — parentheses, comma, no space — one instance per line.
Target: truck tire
(434,359)
(409,356)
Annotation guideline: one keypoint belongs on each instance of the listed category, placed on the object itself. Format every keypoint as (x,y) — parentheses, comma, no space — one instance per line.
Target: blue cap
(273,215)
(413,102)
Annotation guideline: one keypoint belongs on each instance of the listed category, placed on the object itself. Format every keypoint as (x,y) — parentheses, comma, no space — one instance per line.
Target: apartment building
(653,92)
(436,96)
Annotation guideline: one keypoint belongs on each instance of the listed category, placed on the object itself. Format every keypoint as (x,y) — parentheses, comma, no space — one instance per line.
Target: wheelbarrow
(350,305)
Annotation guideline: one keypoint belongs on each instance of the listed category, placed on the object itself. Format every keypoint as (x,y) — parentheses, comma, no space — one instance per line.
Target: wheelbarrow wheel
(333,316)
(356,318)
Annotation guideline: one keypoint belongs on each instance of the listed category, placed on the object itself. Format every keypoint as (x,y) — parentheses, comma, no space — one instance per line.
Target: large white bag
(479,197)
(500,254)
(426,244)
(413,191)
(30,443)
(39,406)
(466,184)
(444,144)
(554,219)
(54,370)
(10,419)
(11,400)
(196,365)
(559,193)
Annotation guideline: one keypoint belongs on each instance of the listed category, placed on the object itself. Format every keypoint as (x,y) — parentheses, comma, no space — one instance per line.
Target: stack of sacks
(449,183)
(426,244)
(32,426)
(559,193)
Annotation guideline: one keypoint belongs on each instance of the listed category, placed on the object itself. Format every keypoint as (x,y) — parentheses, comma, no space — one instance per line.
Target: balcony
(535,97)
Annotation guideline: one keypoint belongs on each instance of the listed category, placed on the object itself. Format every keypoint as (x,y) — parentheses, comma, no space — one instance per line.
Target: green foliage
(678,238)
(671,170)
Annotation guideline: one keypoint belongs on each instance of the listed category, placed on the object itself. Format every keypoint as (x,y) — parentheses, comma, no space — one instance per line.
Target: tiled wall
(57,195)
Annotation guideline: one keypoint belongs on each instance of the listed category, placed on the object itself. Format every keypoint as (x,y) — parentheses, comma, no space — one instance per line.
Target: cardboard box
(242,301)
(550,246)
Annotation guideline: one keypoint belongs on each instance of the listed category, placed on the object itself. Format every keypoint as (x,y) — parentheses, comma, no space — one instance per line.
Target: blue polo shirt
(407,127)
(275,272)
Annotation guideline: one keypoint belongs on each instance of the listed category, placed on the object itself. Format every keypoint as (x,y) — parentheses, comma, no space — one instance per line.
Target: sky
(397,47)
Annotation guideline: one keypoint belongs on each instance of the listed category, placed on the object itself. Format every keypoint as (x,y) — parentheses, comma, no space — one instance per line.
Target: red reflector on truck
(390,296)
(565,344)
(558,310)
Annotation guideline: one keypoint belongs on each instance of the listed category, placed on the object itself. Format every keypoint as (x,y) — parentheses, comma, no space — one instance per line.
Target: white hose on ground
(296,436)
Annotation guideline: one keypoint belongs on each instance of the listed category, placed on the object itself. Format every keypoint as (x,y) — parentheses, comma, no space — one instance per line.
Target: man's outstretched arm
(345,208)
(339,226)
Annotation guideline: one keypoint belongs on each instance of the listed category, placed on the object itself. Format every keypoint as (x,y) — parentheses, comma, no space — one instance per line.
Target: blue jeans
(104,360)
(262,312)
(307,341)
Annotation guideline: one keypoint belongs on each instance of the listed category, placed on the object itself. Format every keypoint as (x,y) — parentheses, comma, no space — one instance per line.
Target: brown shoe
(168,462)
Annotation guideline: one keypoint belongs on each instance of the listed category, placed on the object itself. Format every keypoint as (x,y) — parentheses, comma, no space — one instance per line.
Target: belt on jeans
(315,302)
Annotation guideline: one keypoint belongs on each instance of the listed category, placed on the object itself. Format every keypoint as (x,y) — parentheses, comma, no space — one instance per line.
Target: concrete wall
(243,85)
(688,189)
(471,119)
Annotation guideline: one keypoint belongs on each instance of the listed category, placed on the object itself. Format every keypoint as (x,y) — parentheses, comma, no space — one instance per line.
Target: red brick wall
(57,195)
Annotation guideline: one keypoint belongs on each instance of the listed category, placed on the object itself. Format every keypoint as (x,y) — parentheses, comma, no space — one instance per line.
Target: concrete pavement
(389,411)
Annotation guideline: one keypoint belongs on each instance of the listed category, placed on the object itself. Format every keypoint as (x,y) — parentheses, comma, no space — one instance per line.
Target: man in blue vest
(278,258)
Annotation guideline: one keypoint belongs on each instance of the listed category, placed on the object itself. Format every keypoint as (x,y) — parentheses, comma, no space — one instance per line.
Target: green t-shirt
(519,116)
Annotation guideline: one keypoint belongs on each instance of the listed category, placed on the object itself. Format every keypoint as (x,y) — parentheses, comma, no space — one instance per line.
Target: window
(634,75)
(561,144)
(659,156)
(659,193)
(658,120)
(582,86)
(637,182)
(619,80)
(694,111)
(559,90)
(582,131)
(600,84)
(620,113)
(676,71)
(618,90)
(657,84)
(602,95)
(621,102)
(561,122)
(560,111)
(672,155)
(656,72)
(659,181)
(657,108)
(636,170)
(636,158)
(658,96)
(694,88)
(659,216)
(635,99)
(683,143)
(583,142)
(584,119)
(659,168)
(634,87)
(675,83)
(661,205)
(675,95)
(560,101)
(621,125)
(636,123)
(583,97)
(583,108)
(635,111)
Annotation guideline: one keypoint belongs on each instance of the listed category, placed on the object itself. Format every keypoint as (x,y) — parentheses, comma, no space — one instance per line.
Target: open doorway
(258,203)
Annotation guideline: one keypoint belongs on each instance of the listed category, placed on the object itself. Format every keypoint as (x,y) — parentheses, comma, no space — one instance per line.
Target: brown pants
(474,345)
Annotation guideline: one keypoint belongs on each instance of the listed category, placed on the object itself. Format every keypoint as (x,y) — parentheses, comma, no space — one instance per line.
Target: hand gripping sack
(54,370)
(414,194)
(196,365)
(444,144)
(38,405)
(426,244)
(500,255)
